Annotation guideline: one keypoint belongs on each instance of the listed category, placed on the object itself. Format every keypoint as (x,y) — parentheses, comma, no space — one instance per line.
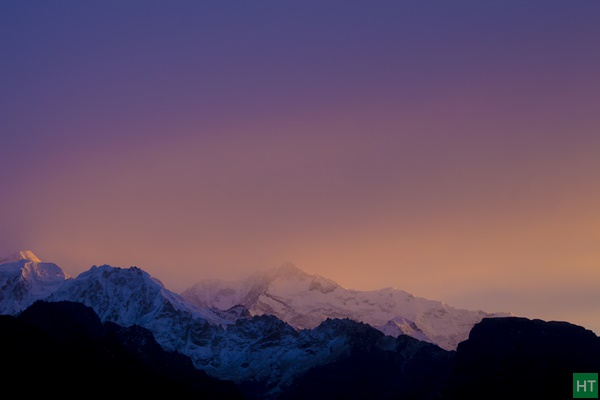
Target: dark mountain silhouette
(519,358)
(404,368)
(62,348)
(504,358)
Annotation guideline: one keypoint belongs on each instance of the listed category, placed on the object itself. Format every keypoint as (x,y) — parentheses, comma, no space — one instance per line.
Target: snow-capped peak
(305,300)
(25,279)
(21,255)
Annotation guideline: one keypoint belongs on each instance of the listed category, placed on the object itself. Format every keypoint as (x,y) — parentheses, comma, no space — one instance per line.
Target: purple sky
(448,149)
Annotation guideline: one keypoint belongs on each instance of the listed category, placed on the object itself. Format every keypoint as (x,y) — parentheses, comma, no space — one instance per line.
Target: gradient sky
(449,149)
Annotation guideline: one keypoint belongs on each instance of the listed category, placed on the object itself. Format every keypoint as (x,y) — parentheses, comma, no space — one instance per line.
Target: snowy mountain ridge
(130,296)
(304,301)
(287,292)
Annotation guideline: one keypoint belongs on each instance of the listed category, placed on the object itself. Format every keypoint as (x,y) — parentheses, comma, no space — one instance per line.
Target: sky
(448,149)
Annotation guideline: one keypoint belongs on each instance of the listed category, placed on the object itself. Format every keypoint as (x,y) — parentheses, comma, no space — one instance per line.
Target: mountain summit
(25,279)
(20,255)
(304,301)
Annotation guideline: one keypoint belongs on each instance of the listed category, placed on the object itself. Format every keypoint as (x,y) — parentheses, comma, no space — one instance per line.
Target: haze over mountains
(280,334)
(304,301)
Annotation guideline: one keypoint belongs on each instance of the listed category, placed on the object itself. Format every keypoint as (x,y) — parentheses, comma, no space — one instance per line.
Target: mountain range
(304,301)
(284,334)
